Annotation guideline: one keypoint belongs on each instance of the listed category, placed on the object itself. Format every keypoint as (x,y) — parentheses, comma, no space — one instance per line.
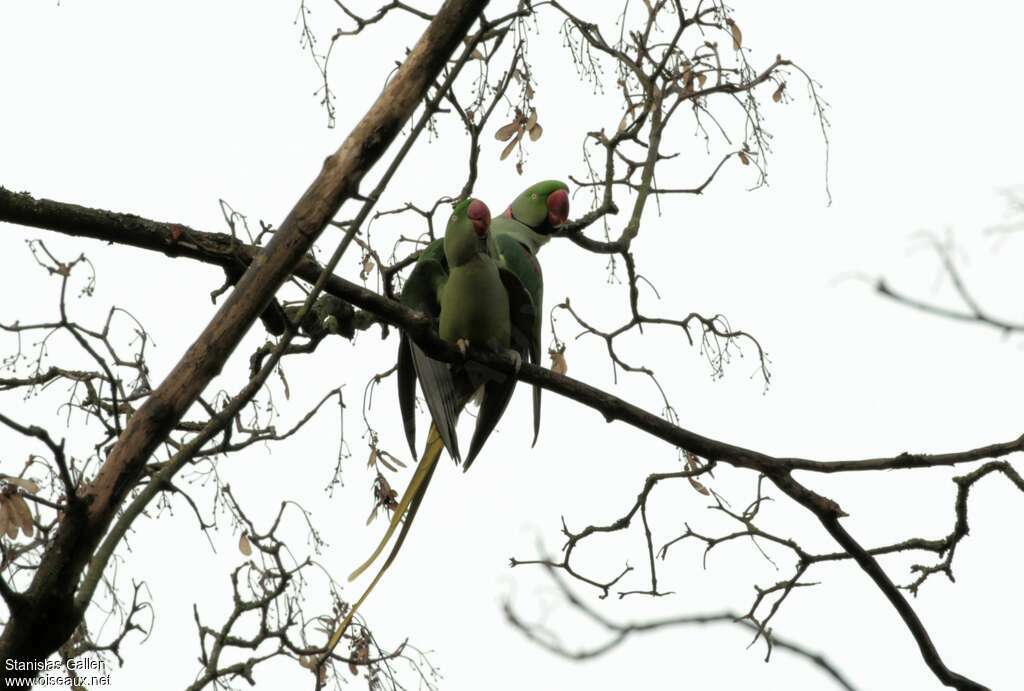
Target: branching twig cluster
(268,619)
(47,489)
(618,633)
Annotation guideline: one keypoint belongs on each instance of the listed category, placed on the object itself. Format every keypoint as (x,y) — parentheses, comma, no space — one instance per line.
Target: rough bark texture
(44,616)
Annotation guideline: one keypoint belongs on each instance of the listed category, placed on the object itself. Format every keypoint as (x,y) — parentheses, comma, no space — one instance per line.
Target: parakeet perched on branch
(459,283)
(518,234)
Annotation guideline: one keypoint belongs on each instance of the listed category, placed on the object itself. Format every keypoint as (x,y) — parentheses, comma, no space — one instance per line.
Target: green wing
(526,300)
(498,386)
(420,292)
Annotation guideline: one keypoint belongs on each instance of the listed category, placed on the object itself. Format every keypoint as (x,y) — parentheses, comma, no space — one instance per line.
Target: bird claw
(517,359)
(462,344)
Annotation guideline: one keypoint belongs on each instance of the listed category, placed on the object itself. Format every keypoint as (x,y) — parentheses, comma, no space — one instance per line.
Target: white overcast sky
(161,109)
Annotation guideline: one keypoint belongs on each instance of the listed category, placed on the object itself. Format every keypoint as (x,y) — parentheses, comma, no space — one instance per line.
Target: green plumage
(475,305)
(459,283)
(454,282)
(518,235)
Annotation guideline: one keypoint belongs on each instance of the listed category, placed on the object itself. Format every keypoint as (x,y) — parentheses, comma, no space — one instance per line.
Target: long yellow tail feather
(409,504)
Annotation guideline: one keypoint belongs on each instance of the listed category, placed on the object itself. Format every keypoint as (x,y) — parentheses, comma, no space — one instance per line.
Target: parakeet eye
(533,196)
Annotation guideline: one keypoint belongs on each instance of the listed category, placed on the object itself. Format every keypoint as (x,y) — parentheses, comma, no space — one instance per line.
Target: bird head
(541,207)
(467,232)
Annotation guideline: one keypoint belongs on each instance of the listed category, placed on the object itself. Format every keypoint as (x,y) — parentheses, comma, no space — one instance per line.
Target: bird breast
(475,305)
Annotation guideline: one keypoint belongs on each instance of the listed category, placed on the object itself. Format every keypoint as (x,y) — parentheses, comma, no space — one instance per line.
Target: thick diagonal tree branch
(35,631)
(870,565)
(216,248)
(338,181)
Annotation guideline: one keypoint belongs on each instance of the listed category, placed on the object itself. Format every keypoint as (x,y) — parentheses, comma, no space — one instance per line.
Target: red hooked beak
(480,215)
(558,207)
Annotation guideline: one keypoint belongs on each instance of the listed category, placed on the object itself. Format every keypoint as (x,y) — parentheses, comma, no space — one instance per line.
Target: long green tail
(408,506)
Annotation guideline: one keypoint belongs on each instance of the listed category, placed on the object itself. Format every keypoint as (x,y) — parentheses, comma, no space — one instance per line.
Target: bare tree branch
(620,632)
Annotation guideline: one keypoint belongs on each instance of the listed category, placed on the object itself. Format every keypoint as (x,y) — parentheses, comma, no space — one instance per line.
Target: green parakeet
(459,283)
(518,235)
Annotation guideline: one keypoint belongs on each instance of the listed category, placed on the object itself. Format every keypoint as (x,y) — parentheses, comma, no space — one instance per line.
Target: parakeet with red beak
(518,235)
(458,281)
(535,214)
(472,300)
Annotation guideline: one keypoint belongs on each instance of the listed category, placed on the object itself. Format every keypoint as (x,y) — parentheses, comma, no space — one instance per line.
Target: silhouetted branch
(620,632)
